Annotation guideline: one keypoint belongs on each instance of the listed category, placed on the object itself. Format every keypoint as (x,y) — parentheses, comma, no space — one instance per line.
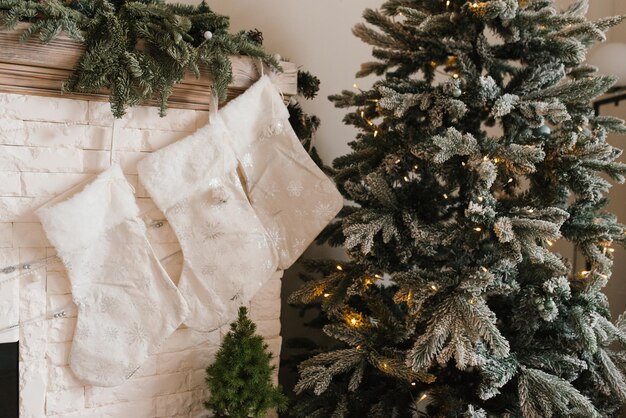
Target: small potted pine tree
(240,378)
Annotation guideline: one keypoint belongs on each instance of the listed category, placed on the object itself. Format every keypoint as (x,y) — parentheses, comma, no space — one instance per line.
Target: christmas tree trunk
(477,150)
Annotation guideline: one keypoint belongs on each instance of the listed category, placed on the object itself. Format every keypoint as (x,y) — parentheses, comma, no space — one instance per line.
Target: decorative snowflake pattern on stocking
(137,334)
(295,188)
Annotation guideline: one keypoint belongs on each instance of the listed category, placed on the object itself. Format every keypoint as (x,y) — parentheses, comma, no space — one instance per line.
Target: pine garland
(137,50)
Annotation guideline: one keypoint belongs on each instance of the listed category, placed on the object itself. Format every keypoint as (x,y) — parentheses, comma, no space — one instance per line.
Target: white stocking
(227,255)
(293,198)
(127,305)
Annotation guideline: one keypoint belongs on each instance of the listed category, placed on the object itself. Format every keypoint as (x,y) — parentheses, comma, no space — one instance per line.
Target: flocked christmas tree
(240,379)
(477,150)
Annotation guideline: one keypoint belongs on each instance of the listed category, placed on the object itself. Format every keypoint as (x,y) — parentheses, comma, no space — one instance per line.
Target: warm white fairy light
(433,287)
(478,229)
(339,267)
(480,198)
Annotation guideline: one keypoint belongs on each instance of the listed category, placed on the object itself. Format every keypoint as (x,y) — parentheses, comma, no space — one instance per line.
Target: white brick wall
(48,145)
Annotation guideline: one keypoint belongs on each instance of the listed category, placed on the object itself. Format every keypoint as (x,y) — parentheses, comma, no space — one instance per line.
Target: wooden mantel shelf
(40,69)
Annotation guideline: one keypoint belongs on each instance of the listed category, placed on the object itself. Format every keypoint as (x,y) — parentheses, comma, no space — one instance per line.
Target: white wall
(48,145)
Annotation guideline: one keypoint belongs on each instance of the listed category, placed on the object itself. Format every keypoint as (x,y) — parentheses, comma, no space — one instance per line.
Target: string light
(486,158)
(354,319)
(463,163)
(480,198)
(413,383)
(358,347)
(326,295)
(385,366)
(424,396)
(611,250)
(445,196)
(375,133)
(398,161)
(339,267)
(478,229)
(472,301)
(531,210)
(406,179)
(496,160)
(415,167)
(378,276)
(455,76)
(550,243)
(510,181)
(584,273)
(580,129)
(433,287)
(484,269)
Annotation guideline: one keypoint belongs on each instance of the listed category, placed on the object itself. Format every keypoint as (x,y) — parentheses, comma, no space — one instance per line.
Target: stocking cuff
(186,167)
(251,115)
(80,216)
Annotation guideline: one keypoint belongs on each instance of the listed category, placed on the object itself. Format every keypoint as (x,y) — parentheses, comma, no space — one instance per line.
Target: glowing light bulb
(339,267)
(585,273)
(433,287)
(611,250)
(550,243)
(353,321)
(445,196)
(326,295)
(415,167)
(483,268)
(398,161)
(424,396)
(447,5)
(375,133)
(355,86)
(478,229)
(480,198)
(472,301)
(413,383)
(378,276)
(406,179)
(510,180)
